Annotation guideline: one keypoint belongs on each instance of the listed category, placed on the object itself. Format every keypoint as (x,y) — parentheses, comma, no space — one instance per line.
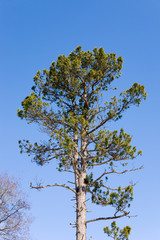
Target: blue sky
(33,33)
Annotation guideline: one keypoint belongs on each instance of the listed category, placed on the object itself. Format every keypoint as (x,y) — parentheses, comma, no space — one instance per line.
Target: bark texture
(81,209)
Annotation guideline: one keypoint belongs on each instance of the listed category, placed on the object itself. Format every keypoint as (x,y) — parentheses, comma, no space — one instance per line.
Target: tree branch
(115,189)
(53,185)
(98,200)
(131,170)
(99,177)
(108,118)
(108,218)
(52,93)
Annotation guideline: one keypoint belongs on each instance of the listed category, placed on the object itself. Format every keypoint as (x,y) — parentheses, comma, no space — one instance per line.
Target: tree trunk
(81,185)
(80,176)
(81,191)
(81,209)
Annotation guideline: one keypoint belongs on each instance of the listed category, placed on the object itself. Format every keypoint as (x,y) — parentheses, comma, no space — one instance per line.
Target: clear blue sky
(33,33)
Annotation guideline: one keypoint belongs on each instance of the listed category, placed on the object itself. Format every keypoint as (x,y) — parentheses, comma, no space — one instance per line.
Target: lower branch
(108,218)
(53,185)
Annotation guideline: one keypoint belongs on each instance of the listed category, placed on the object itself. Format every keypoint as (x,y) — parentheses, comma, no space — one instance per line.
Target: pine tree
(69,102)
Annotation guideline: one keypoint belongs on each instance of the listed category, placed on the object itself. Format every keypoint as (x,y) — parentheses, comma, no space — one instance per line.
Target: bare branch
(114,189)
(130,170)
(53,185)
(108,218)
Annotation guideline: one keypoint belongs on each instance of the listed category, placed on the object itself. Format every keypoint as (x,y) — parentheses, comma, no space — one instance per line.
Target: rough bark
(81,191)
(81,209)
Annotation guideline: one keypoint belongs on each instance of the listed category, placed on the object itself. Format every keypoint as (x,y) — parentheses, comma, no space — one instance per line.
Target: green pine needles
(69,102)
(116,233)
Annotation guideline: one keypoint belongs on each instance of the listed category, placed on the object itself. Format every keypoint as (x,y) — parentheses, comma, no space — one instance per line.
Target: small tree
(70,102)
(13,219)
